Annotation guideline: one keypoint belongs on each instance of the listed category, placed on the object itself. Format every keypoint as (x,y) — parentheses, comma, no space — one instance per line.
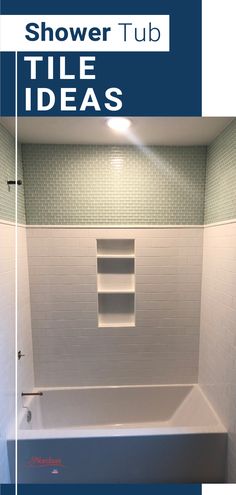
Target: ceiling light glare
(119,124)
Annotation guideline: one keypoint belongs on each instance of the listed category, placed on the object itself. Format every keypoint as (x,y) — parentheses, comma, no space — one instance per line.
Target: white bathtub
(135,434)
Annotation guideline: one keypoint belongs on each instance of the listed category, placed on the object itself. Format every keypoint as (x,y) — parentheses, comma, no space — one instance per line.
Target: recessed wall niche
(116,282)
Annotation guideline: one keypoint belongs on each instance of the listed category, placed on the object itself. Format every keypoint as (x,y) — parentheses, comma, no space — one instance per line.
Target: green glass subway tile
(7,172)
(220,193)
(119,185)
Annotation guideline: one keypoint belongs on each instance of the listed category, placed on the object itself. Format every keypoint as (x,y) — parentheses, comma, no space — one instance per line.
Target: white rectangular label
(218,489)
(218,58)
(88,33)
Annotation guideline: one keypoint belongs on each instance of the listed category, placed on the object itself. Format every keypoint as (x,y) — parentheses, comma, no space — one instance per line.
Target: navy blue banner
(95,7)
(126,83)
(168,90)
(157,489)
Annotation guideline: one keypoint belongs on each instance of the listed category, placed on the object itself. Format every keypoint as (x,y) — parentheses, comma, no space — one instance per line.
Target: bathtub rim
(127,430)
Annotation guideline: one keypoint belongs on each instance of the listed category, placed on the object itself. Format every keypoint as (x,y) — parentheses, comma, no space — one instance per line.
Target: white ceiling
(93,130)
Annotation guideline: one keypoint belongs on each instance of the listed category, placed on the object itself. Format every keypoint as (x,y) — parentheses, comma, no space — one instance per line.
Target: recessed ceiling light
(119,124)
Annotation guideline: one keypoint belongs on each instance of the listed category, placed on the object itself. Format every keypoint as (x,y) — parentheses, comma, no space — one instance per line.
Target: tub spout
(23,394)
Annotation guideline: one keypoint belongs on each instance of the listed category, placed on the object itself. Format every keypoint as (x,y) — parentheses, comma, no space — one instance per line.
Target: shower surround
(77,194)
(68,188)
(171,186)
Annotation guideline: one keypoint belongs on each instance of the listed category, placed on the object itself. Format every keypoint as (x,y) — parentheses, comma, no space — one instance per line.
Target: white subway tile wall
(24,333)
(217,368)
(70,349)
(7,297)
(7,342)
(7,334)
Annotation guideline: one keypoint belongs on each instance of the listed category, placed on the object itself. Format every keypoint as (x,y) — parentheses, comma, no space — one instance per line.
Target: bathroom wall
(7,340)
(76,185)
(7,296)
(7,171)
(217,367)
(70,349)
(220,201)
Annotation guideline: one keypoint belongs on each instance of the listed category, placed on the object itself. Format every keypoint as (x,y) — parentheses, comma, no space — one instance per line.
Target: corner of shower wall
(25,364)
(217,356)
(25,368)
(7,295)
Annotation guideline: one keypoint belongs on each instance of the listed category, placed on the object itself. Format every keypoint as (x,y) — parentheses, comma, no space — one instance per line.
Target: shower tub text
(128,31)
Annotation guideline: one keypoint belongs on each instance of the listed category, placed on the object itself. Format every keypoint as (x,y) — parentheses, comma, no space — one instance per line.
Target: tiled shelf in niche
(112,256)
(116,282)
(116,310)
(113,248)
(121,291)
(115,275)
